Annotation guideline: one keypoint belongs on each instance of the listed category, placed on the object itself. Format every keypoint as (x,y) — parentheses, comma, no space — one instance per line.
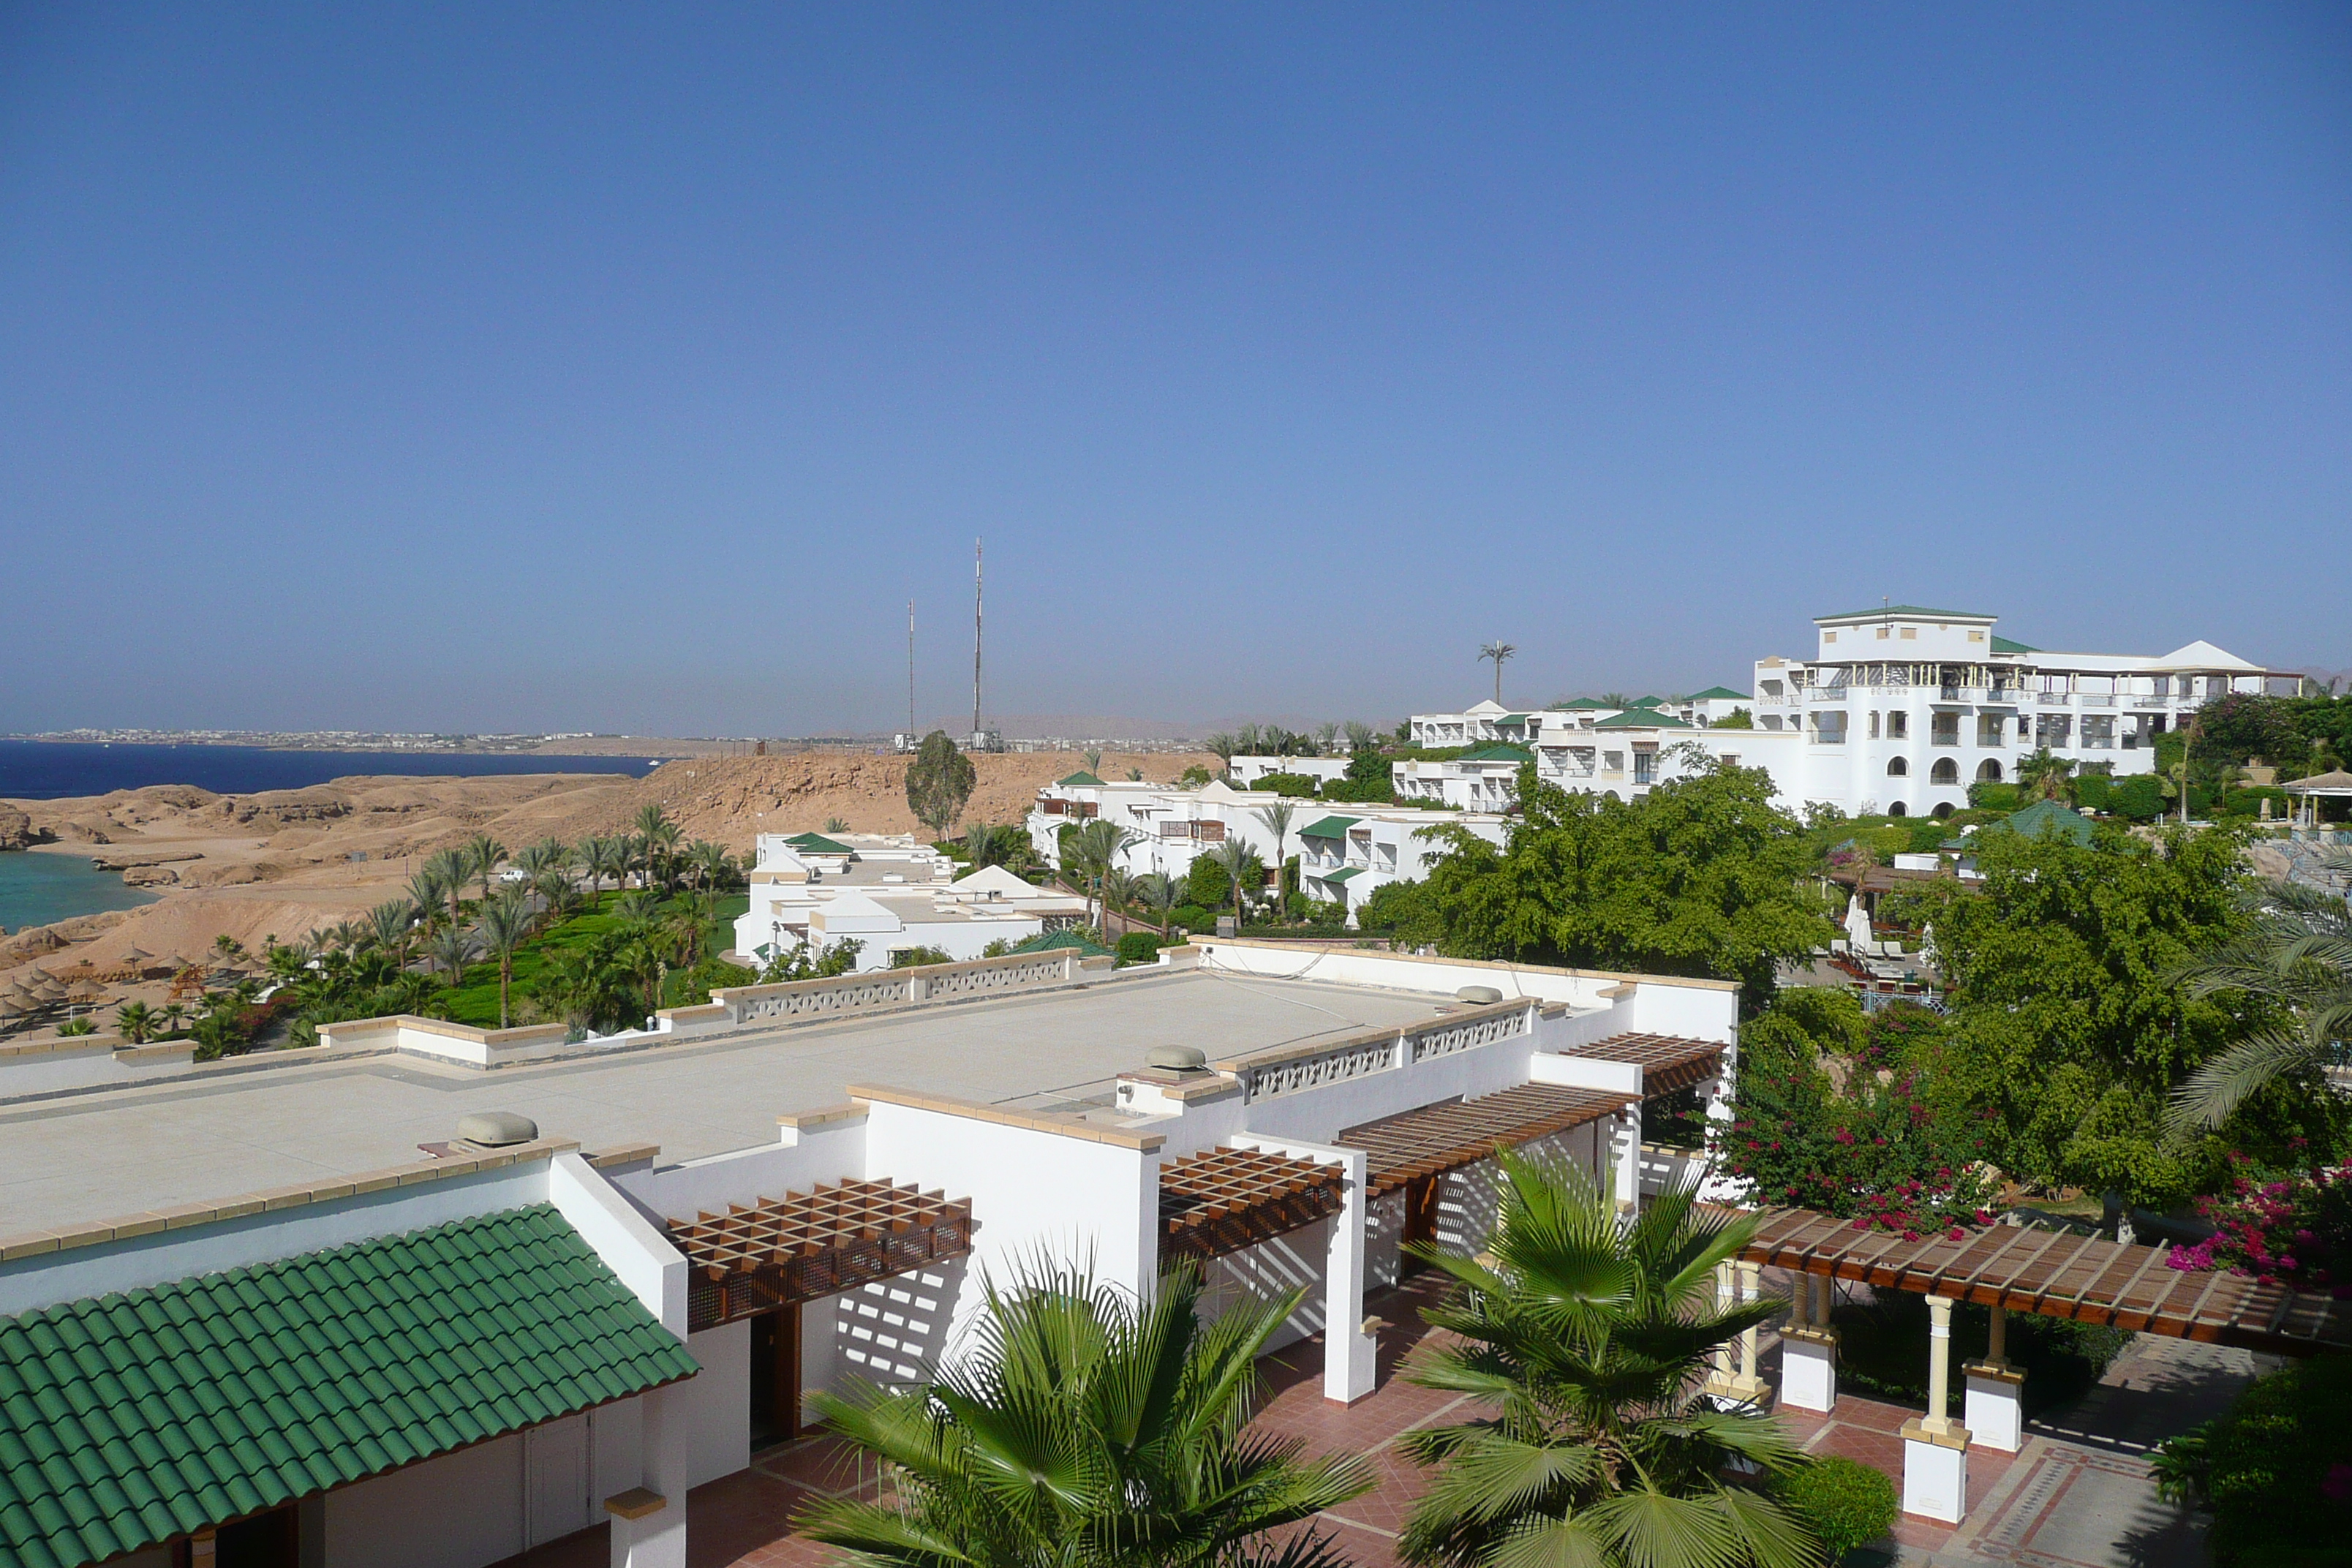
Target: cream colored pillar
(1745,1387)
(1935,1446)
(1809,1351)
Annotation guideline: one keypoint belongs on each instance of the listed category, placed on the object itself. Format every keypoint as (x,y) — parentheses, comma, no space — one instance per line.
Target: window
(1989,728)
(1645,765)
(1899,768)
(1989,771)
(1946,730)
(1731,759)
(1898,809)
(2099,731)
(1829,636)
(1881,634)
(2024,725)
(1828,728)
(1910,634)
(1944,772)
(1898,726)
(1613,761)
(1873,724)
(1976,637)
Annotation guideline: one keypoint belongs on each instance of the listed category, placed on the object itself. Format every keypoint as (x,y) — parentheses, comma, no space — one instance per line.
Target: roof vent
(1178,1058)
(496,1128)
(1478,995)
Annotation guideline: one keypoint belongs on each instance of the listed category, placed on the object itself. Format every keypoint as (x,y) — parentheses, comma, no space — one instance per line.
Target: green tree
(1090,852)
(1498,651)
(2295,952)
(1738,719)
(454,947)
(504,927)
(484,854)
(449,869)
(1242,867)
(1700,877)
(2066,1023)
(940,780)
(1086,1430)
(136,1021)
(1207,884)
(1277,818)
(1588,1337)
(2043,776)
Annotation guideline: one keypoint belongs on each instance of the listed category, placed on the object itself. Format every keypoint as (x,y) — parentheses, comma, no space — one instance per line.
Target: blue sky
(490,368)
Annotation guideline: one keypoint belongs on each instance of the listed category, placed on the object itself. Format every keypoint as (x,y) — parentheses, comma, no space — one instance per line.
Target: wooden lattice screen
(1222,1200)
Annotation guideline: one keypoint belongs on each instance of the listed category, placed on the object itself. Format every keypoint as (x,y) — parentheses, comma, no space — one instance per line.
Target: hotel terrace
(430,1296)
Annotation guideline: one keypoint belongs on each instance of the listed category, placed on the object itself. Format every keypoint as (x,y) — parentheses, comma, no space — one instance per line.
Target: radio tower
(975,641)
(911,671)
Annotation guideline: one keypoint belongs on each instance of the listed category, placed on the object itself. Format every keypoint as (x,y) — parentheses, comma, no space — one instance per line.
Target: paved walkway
(2078,1495)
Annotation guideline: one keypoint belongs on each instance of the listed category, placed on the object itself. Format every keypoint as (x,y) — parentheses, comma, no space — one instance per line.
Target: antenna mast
(910,671)
(975,638)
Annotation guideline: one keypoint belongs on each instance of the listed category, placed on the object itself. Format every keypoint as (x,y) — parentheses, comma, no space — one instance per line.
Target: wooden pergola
(2057,1274)
(804,1246)
(1434,1139)
(1222,1200)
(1669,1063)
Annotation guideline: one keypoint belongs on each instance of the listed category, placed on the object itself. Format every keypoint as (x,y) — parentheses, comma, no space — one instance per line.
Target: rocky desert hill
(286,862)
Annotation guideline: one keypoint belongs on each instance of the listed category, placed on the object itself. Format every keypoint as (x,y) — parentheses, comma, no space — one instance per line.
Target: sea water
(38,886)
(55,770)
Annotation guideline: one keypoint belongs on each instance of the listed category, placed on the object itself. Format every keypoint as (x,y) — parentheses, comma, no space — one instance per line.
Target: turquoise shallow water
(36,888)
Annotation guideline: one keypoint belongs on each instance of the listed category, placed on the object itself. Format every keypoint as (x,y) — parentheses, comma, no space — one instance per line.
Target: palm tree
(424,890)
(504,927)
(451,867)
(1239,862)
(2043,777)
(655,834)
(1497,651)
(175,1014)
(1093,850)
(2297,954)
(1086,1428)
(1277,818)
(980,842)
(1221,746)
(548,854)
(556,893)
(836,825)
(453,947)
(1589,1338)
(599,858)
(229,950)
(388,923)
(1159,893)
(136,1021)
(483,854)
(1094,759)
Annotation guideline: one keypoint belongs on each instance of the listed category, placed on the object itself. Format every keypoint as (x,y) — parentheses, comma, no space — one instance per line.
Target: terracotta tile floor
(743,1521)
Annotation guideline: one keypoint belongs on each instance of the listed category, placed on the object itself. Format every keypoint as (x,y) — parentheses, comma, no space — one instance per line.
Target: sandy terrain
(286,862)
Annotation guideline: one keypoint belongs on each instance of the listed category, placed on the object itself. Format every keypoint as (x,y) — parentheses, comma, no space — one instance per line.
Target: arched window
(1989,771)
(1898,809)
(1943,810)
(1899,768)
(1946,770)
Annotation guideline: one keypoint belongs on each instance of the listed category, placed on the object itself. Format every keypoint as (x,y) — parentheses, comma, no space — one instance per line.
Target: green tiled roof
(1717,694)
(1647,702)
(128,1419)
(2039,816)
(1579,702)
(2006,645)
(1915,611)
(1341,875)
(818,844)
(1497,755)
(1080,780)
(1512,719)
(1329,827)
(1642,719)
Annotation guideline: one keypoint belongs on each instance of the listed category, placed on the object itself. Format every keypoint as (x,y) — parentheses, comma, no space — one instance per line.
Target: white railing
(1463,1034)
(896,987)
(1290,1069)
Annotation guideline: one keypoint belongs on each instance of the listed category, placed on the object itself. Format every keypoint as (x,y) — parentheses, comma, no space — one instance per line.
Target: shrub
(1396,909)
(1360,792)
(1843,1503)
(2273,1469)
(1297,786)
(1194,917)
(1994,796)
(912,957)
(2294,1232)
(2139,798)
(1208,885)
(73,1027)
(1138,947)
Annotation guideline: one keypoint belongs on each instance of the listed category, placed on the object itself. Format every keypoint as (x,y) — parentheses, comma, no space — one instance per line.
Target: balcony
(2053,699)
(1825,694)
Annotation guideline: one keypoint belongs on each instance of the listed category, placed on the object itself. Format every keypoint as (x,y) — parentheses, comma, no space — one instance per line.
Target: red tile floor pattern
(743,1521)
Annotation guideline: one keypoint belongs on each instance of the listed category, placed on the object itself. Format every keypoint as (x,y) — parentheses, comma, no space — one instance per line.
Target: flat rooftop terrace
(217,1135)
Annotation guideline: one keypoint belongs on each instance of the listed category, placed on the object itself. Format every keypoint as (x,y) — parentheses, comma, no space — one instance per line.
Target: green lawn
(475,999)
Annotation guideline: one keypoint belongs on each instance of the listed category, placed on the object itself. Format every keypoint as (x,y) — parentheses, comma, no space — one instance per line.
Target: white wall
(1271,1268)
(894,1331)
(716,1407)
(460,1511)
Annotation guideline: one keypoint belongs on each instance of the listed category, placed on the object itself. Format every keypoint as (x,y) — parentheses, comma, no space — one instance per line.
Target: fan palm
(136,1021)
(2297,955)
(504,927)
(1086,1430)
(1588,1336)
(453,947)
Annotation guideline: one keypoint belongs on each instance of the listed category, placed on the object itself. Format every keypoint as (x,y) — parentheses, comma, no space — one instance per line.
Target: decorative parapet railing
(1290,1069)
(899,987)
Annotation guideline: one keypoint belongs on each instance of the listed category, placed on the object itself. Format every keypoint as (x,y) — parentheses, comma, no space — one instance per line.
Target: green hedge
(2275,1470)
(1843,1503)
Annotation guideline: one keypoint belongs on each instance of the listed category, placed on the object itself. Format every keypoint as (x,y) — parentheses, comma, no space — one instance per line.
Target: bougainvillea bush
(2293,1230)
(1840,1113)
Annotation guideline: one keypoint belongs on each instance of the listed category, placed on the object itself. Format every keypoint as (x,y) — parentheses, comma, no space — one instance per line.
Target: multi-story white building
(1165,827)
(890,895)
(1901,709)
(1350,854)
(1244,772)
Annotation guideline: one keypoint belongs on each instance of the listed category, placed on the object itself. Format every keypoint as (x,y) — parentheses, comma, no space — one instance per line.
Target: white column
(1626,1154)
(649,1521)
(1994,1402)
(1350,1352)
(1809,1351)
(1934,1447)
(1718,1381)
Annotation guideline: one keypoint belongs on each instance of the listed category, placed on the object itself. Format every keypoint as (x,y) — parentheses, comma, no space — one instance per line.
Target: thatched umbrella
(85,991)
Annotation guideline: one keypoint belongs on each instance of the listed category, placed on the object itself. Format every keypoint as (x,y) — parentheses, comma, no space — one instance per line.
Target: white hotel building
(1899,711)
